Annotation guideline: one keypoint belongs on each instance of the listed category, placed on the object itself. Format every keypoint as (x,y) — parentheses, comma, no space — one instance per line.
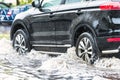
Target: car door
(42,27)
(66,17)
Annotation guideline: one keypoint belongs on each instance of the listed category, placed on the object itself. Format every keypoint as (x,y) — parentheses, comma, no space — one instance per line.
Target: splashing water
(37,66)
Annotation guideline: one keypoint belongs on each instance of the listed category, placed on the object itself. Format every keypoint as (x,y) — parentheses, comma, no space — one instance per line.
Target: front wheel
(86,48)
(20,42)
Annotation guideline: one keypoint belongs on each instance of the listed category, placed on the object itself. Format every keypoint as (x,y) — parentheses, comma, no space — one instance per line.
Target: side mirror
(10,4)
(36,3)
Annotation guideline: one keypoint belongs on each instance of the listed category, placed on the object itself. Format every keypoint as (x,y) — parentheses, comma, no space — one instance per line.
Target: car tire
(86,48)
(21,42)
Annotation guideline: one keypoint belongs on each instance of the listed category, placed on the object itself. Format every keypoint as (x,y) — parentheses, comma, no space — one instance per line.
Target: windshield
(49,3)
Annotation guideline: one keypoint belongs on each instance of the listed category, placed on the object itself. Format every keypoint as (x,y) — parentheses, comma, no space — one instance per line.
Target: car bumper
(109,44)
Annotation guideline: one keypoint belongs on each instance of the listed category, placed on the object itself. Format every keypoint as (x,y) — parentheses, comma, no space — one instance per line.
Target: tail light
(9,13)
(113,40)
(110,6)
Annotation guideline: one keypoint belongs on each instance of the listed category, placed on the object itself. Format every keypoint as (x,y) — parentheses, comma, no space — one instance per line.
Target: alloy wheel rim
(85,49)
(20,44)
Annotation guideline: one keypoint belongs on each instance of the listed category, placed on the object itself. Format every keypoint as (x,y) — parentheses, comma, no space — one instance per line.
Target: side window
(72,1)
(50,3)
(2,6)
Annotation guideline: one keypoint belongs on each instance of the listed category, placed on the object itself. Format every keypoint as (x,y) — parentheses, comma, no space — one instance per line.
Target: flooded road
(37,66)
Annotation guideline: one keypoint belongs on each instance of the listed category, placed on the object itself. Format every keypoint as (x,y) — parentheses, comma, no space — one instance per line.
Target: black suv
(92,26)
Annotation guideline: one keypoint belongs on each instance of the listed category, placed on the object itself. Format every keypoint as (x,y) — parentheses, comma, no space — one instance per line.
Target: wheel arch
(18,24)
(79,30)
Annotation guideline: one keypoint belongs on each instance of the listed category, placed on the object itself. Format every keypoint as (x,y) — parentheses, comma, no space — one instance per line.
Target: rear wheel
(20,42)
(86,48)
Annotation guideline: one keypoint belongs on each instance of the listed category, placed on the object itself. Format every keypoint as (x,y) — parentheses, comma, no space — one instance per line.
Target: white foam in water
(5,46)
(109,63)
(8,55)
(65,65)
(99,78)
(13,57)
(61,62)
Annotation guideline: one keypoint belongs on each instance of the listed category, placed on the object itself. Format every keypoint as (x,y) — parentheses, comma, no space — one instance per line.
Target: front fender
(18,24)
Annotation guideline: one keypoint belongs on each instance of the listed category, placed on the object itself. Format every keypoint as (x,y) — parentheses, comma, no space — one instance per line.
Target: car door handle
(79,12)
(51,15)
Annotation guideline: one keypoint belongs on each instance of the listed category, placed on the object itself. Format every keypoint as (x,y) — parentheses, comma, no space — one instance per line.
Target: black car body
(58,24)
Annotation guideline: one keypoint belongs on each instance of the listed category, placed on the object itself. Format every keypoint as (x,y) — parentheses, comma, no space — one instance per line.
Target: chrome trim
(67,45)
(110,51)
(50,33)
(46,52)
